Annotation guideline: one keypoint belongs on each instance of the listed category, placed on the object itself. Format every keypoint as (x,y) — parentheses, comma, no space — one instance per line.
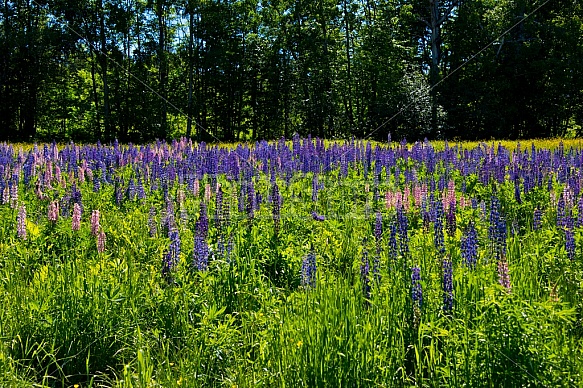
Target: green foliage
(245,70)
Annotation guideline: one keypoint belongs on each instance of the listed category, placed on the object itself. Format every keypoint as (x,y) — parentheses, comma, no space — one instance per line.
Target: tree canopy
(137,70)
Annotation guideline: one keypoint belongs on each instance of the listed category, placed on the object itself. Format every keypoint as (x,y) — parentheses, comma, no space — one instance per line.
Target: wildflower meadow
(293,263)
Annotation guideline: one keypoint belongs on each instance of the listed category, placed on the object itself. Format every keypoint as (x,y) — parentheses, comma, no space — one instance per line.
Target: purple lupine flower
(172,257)
(469,246)
(447,283)
(131,192)
(318,217)
(21,222)
(201,249)
(451,219)
(95,222)
(276,211)
(416,288)
(200,253)
(416,296)
(241,199)
(517,190)
(118,193)
(474,203)
(570,244)
(101,242)
(76,197)
(308,274)
(580,212)
(503,274)
(202,225)
(494,219)
(152,222)
(392,243)
(501,237)
(169,222)
(537,219)
(402,230)
(438,238)
(364,274)
(140,189)
(315,188)
(251,200)
(53,213)
(76,218)
(96,184)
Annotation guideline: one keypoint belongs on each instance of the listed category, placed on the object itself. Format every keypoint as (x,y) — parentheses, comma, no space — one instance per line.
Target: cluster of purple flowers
(403,230)
(172,256)
(318,217)
(438,238)
(469,245)
(416,288)
(201,248)
(308,274)
(537,219)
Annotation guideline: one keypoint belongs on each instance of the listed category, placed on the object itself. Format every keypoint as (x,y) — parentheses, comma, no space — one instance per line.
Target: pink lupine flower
(101,242)
(405,198)
(76,218)
(58,174)
(207,192)
(95,222)
(53,211)
(196,187)
(13,196)
(503,274)
(89,173)
(5,195)
(21,222)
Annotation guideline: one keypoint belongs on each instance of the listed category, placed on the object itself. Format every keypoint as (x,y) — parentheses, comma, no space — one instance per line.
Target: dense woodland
(136,70)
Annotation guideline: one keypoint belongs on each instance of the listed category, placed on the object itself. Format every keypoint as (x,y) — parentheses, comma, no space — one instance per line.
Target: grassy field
(292,263)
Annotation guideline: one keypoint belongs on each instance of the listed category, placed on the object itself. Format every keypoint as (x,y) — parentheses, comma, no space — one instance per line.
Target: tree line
(137,70)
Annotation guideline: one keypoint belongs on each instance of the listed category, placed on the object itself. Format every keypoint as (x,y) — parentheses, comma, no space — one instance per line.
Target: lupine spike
(469,246)
(447,284)
(504,274)
(21,222)
(76,218)
(364,275)
(308,274)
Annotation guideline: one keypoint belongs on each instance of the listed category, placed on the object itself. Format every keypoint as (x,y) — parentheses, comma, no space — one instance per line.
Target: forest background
(232,70)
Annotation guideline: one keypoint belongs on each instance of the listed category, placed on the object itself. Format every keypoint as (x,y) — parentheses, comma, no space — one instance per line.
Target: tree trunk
(190,69)
(163,67)
(104,69)
(348,98)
